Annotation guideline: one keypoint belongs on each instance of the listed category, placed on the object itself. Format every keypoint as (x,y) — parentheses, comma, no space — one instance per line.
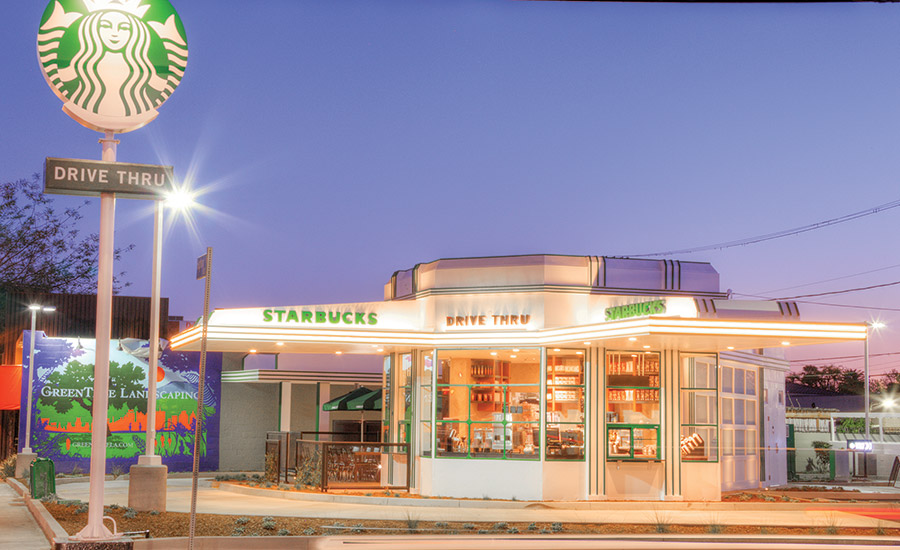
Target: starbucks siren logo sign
(112,62)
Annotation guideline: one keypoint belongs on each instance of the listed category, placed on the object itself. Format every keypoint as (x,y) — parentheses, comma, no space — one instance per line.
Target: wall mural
(62,401)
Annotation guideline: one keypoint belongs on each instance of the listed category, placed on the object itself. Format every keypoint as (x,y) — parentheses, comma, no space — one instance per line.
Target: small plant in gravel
(243,520)
(764,531)
(130,514)
(831,524)
(501,526)
(154,512)
(238,531)
(532,526)
(284,486)
(357,529)
(284,533)
(412,523)
(368,494)
(73,502)
(785,498)
(485,497)
(82,508)
(879,529)
(49,498)
(745,497)
(268,523)
(114,506)
(442,525)
(309,531)
(484,531)
(556,527)
(116,471)
(661,522)
(513,530)
(469,526)
(768,498)
(546,531)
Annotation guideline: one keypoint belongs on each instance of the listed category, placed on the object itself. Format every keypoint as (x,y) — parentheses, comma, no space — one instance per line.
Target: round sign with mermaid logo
(112,62)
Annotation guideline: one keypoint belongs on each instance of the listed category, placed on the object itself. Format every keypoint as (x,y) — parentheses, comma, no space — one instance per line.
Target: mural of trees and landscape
(63,398)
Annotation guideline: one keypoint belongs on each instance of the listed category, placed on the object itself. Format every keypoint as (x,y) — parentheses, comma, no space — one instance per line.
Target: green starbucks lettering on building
(112,62)
(635,310)
(319,317)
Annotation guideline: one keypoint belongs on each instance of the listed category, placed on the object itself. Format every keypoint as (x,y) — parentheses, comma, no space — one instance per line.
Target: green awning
(340,403)
(369,402)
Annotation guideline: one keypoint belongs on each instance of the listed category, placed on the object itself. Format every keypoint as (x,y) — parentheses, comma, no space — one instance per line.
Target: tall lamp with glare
(34,311)
(873,325)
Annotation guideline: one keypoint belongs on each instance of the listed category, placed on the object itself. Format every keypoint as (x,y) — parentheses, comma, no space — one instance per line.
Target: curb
(52,530)
(544,505)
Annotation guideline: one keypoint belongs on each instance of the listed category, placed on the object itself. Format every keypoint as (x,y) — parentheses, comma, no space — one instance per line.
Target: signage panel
(112,62)
(92,177)
(860,445)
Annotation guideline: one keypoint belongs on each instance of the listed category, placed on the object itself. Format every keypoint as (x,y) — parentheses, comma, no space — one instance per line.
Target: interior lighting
(516,350)
(730,347)
(888,403)
(493,353)
(513,356)
(382,349)
(634,355)
(279,343)
(579,353)
(646,347)
(632,339)
(339,353)
(587,343)
(785,343)
(647,352)
(252,351)
(555,349)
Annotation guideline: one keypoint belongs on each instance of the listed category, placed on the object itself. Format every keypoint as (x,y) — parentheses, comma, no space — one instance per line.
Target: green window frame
(632,377)
(699,439)
(566,373)
(501,420)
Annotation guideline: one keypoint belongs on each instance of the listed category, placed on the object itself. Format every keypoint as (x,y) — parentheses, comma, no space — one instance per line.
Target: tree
(830,377)
(41,248)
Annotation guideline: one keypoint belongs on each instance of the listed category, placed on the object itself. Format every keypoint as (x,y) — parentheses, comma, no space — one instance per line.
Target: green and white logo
(112,62)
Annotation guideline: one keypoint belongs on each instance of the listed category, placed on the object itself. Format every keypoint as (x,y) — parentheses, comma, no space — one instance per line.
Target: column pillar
(324,416)
(284,422)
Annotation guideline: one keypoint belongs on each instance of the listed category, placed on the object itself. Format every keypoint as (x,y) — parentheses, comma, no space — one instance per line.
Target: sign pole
(95,530)
(198,424)
(150,450)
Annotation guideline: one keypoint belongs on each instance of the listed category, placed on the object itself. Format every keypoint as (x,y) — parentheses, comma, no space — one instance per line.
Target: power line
(845,291)
(812,302)
(860,356)
(834,279)
(777,234)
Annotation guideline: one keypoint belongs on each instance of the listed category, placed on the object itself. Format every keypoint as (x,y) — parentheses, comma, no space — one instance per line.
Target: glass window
(488,404)
(750,415)
(727,411)
(699,408)
(727,376)
(633,404)
(750,387)
(427,406)
(738,381)
(565,404)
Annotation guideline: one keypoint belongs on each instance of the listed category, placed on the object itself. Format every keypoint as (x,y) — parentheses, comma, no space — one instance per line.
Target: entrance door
(351,429)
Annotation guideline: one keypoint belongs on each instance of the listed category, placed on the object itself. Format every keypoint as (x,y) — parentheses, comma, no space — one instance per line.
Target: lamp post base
(147,487)
(23,462)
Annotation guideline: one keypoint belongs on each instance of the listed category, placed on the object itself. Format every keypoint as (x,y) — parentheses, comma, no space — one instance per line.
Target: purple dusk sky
(340,141)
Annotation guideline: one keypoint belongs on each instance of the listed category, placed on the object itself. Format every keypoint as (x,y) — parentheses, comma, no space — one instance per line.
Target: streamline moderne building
(561,377)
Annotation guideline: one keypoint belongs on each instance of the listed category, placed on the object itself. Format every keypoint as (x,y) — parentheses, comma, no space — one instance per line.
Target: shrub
(238,531)
(513,530)
(469,526)
(268,524)
(8,467)
(556,527)
(116,471)
(243,520)
(284,533)
(442,525)
(130,514)
(309,531)
(532,526)
(501,526)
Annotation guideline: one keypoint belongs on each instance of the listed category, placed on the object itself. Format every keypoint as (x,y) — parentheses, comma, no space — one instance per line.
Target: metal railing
(352,465)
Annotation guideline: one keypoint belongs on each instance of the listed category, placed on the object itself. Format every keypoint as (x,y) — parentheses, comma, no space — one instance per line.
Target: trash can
(43,478)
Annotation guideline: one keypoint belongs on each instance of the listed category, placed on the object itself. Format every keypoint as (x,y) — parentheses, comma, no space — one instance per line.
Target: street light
(147,483)
(34,311)
(871,325)
(179,199)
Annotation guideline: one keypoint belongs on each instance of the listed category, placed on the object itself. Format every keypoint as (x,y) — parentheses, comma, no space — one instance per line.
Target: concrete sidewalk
(220,501)
(17,526)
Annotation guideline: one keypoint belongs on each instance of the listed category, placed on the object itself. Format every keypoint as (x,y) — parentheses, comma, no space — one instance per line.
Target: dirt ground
(73,516)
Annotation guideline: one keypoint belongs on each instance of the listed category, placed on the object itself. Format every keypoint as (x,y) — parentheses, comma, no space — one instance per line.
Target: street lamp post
(24,458)
(147,479)
(872,325)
